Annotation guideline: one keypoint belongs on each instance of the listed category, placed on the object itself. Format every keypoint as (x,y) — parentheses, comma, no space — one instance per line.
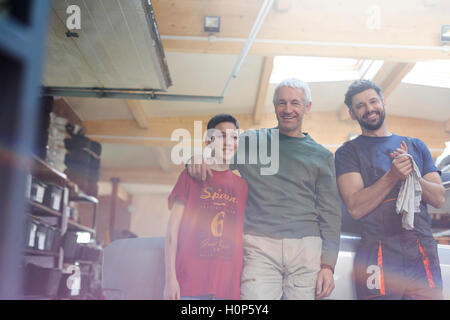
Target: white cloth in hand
(410,195)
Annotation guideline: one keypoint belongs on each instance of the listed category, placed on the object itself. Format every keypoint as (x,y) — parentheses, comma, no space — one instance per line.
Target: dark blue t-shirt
(377,150)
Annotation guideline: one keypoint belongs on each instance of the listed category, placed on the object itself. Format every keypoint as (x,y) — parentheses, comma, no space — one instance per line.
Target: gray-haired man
(293,217)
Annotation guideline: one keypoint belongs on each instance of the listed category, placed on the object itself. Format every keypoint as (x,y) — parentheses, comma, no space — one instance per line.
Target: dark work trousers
(392,262)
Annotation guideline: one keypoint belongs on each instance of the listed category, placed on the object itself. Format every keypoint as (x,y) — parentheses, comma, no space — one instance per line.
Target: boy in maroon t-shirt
(203,253)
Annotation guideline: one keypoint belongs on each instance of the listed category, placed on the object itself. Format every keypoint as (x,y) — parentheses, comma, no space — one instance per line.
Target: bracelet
(327,266)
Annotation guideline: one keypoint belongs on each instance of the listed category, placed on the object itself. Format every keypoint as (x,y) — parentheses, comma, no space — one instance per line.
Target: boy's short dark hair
(222,117)
(359,86)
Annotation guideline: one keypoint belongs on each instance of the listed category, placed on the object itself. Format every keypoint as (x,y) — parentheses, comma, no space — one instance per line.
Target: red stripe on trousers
(426,264)
(380,265)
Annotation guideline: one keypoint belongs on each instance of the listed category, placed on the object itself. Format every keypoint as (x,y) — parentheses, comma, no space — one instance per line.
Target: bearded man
(397,257)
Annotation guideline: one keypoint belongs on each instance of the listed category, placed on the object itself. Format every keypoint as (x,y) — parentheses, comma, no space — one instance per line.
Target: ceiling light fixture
(211,24)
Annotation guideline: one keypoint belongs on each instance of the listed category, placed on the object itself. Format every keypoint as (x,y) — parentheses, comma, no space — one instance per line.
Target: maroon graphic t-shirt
(209,256)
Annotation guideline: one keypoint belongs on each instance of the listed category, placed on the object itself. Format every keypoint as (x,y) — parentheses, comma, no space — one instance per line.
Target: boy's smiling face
(224,141)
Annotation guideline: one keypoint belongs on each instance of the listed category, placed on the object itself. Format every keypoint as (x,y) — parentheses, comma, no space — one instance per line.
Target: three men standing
(292,220)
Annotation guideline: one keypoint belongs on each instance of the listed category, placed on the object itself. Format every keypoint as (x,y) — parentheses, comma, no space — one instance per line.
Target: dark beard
(372,127)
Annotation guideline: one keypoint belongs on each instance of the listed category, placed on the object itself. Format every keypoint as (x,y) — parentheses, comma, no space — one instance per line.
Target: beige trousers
(277,269)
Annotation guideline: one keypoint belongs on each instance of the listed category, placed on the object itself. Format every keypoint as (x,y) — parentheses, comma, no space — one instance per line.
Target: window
(430,73)
(319,69)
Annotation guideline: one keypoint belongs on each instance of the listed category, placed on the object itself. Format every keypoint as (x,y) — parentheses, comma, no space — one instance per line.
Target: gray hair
(293,83)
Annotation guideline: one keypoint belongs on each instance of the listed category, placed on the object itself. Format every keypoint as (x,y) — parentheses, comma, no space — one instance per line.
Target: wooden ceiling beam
(392,78)
(138,112)
(313,49)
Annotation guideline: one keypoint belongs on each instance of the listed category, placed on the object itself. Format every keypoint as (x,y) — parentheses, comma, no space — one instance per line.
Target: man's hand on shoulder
(198,168)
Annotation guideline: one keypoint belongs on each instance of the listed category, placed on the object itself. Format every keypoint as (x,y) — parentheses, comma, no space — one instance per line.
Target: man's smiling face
(290,108)
(368,109)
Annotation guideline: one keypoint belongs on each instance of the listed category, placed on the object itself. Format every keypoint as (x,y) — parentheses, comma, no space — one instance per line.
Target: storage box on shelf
(50,233)
(41,237)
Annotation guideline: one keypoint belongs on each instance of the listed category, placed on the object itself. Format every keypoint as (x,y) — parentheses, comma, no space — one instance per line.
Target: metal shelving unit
(72,225)
(44,172)
(41,210)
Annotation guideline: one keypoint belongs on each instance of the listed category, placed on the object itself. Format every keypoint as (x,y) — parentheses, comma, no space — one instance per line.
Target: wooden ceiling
(400,30)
